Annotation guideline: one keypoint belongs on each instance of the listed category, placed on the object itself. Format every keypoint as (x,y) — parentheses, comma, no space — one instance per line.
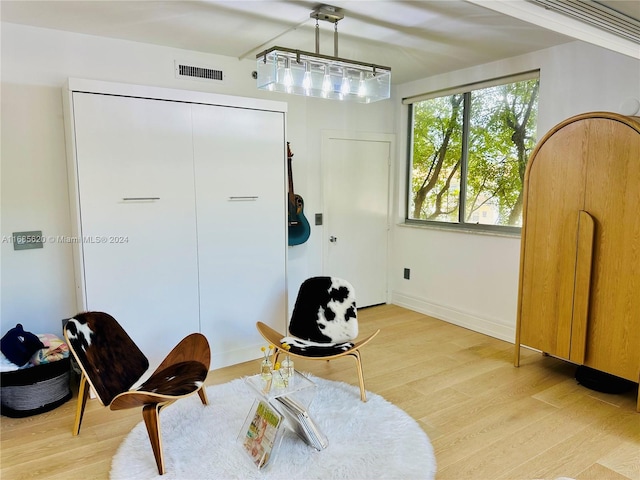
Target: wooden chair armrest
(269,334)
(274,337)
(133,399)
(172,383)
(364,341)
(193,347)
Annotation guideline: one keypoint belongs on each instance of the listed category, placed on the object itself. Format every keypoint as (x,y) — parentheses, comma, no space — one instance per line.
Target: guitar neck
(290,172)
(290,175)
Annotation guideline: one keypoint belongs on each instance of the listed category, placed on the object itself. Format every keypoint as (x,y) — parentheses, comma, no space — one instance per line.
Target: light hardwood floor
(486,419)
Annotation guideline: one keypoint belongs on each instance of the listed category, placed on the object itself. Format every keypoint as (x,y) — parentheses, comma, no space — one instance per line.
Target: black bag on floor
(601,381)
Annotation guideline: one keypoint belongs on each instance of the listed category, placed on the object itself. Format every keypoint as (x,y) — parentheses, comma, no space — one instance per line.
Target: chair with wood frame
(323,325)
(111,363)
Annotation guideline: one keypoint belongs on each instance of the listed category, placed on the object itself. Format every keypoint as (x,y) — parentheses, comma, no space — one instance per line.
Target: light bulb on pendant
(345,88)
(287,81)
(306,80)
(326,81)
(362,87)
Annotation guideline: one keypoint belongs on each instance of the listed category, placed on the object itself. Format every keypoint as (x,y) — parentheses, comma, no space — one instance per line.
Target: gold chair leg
(151,415)
(83,393)
(356,355)
(202,393)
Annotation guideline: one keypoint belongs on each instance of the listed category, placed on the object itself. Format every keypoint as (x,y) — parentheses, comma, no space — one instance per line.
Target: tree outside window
(469,154)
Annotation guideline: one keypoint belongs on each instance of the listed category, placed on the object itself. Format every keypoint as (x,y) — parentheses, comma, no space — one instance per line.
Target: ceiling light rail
(313,74)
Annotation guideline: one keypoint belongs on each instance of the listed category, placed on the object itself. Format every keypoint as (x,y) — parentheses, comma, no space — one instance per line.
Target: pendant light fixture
(310,74)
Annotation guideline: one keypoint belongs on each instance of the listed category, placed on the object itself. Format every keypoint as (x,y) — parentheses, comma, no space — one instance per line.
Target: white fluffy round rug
(372,440)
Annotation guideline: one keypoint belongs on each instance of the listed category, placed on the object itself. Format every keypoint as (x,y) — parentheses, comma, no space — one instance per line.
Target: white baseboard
(492,327)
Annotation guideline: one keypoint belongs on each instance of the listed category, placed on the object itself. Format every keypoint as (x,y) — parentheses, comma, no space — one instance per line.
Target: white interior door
(356,209)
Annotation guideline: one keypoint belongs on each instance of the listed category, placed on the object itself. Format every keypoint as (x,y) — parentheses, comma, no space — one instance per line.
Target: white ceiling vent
(198,72)
(596,14)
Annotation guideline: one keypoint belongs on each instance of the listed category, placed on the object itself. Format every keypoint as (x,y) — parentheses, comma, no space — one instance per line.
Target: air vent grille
(596,14)
(203,73)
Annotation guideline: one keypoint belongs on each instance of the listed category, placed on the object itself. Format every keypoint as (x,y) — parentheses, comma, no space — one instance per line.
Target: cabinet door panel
(555,195)
(613,199)
(240,189)
(135,172)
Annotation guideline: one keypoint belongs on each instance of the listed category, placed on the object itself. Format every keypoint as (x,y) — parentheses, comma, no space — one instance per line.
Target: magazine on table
(261,433)
(302,423)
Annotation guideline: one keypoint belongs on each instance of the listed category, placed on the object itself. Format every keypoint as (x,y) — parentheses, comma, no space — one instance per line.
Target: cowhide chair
(111,363)
(324,324)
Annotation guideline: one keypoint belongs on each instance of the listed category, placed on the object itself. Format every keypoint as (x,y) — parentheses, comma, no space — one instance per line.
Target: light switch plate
(27,240)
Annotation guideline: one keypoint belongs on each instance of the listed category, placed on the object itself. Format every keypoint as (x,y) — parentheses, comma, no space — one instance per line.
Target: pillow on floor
(19,346)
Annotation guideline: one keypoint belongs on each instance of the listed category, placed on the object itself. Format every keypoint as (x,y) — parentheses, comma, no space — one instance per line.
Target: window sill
(459,229)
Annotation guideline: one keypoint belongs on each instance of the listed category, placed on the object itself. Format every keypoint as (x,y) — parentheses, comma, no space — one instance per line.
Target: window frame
(466,90)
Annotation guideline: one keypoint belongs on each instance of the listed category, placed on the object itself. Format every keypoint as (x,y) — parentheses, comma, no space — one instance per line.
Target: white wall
(464,278)
(37,287)
(469,279)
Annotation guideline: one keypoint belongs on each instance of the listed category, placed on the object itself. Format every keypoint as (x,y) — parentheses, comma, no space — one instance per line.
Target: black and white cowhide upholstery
(324,320)
(110,358)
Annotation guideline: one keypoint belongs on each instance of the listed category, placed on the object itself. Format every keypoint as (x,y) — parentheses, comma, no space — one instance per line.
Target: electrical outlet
(407,273)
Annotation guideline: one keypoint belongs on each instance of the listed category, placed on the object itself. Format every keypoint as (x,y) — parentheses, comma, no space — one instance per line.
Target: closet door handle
(246,198)
(138,199)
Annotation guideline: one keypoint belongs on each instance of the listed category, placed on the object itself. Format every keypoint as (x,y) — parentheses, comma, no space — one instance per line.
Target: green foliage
(437,140)
(500,137)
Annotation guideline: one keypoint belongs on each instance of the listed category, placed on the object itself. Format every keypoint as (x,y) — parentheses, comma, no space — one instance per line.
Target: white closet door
(135,175)
(240,190)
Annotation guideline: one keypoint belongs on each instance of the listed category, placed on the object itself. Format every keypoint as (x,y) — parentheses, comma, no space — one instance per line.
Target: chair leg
(363,394)
(202,393)
(151,415)
(83,393)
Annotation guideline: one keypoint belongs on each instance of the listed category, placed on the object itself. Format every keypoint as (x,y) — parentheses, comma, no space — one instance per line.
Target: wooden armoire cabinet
(579,292)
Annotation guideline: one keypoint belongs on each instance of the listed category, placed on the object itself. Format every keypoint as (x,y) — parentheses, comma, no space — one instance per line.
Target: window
(468,154)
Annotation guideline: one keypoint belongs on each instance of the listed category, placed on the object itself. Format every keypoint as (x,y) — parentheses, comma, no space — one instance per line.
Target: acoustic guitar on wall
(299,229)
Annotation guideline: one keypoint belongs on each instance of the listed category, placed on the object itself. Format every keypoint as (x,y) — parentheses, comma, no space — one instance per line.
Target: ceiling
(416,39)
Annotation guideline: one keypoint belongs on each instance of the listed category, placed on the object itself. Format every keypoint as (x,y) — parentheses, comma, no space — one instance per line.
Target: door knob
(333,239)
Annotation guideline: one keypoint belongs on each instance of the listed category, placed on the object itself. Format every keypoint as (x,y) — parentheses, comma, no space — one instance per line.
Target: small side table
(292,403)
(300,389)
